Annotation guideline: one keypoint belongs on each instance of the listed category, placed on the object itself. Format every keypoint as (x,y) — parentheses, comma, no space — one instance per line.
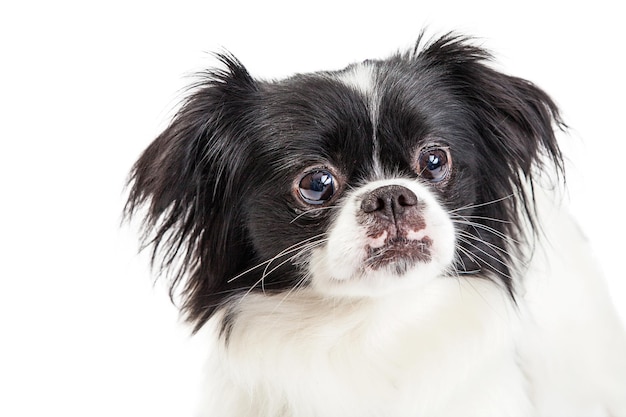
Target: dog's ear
(186,181)
(514,120)
(510,126)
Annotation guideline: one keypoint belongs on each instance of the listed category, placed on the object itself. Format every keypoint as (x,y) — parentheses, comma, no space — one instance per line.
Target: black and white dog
(379,241)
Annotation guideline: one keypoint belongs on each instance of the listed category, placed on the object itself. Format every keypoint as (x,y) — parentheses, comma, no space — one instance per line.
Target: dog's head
(360,182)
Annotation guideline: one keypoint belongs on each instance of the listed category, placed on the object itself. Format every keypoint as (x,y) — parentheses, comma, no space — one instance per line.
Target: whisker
(286,251)
(259,281)
(312,210)
(266,273)
(306,247)
(298,285)
(471,206)
(483,251)
(486,228)
(460,259)
(493,219)
(492,246)
(233,291)
(468,235)
(470,255)
(479,260)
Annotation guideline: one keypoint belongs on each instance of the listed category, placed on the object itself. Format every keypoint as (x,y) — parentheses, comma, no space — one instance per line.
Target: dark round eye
(433,164)
(317,187)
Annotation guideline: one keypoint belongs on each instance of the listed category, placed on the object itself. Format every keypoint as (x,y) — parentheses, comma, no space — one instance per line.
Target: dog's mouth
(399,254)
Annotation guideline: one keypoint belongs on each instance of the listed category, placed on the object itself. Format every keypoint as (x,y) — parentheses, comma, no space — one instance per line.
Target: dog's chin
(399,255)
(395,273)
(360,259)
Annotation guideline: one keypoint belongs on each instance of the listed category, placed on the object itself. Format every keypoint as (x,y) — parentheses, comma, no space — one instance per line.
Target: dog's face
(387,234)
(361,182)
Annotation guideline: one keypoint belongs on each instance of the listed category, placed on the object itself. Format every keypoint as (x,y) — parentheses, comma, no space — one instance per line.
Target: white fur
(443,347)
(573,346)
(444,350)
(362,78)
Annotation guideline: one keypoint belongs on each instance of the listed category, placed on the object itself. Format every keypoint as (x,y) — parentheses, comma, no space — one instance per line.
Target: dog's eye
(433,164)
(317,187)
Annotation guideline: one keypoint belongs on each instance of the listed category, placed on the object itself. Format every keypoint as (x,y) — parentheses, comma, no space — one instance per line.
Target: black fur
(218,182)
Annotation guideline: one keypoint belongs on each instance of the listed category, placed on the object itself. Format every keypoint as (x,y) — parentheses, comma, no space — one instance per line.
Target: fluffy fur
(377,242)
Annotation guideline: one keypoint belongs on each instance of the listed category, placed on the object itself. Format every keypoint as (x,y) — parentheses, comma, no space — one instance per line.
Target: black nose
(389,202)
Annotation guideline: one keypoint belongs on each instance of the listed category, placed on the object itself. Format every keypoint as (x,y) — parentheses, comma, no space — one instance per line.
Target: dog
(387,240)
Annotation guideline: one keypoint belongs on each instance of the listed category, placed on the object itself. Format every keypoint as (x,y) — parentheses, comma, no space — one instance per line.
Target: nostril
(372,203)
(407,199)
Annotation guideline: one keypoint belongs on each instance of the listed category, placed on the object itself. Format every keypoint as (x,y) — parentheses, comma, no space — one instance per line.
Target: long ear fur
(515,122)
(185,180)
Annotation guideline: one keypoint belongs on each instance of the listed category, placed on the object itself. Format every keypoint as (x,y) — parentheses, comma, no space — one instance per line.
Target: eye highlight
(317,187)
(434,164)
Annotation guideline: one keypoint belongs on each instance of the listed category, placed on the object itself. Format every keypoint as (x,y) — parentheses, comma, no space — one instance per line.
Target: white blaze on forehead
(362,78)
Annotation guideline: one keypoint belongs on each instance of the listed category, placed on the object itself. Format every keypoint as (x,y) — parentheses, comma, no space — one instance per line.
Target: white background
(85,86)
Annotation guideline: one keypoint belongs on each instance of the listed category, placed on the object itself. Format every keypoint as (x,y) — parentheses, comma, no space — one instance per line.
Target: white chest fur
(446,350)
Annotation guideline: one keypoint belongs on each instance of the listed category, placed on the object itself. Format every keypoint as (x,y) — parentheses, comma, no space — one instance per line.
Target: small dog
(383,241)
